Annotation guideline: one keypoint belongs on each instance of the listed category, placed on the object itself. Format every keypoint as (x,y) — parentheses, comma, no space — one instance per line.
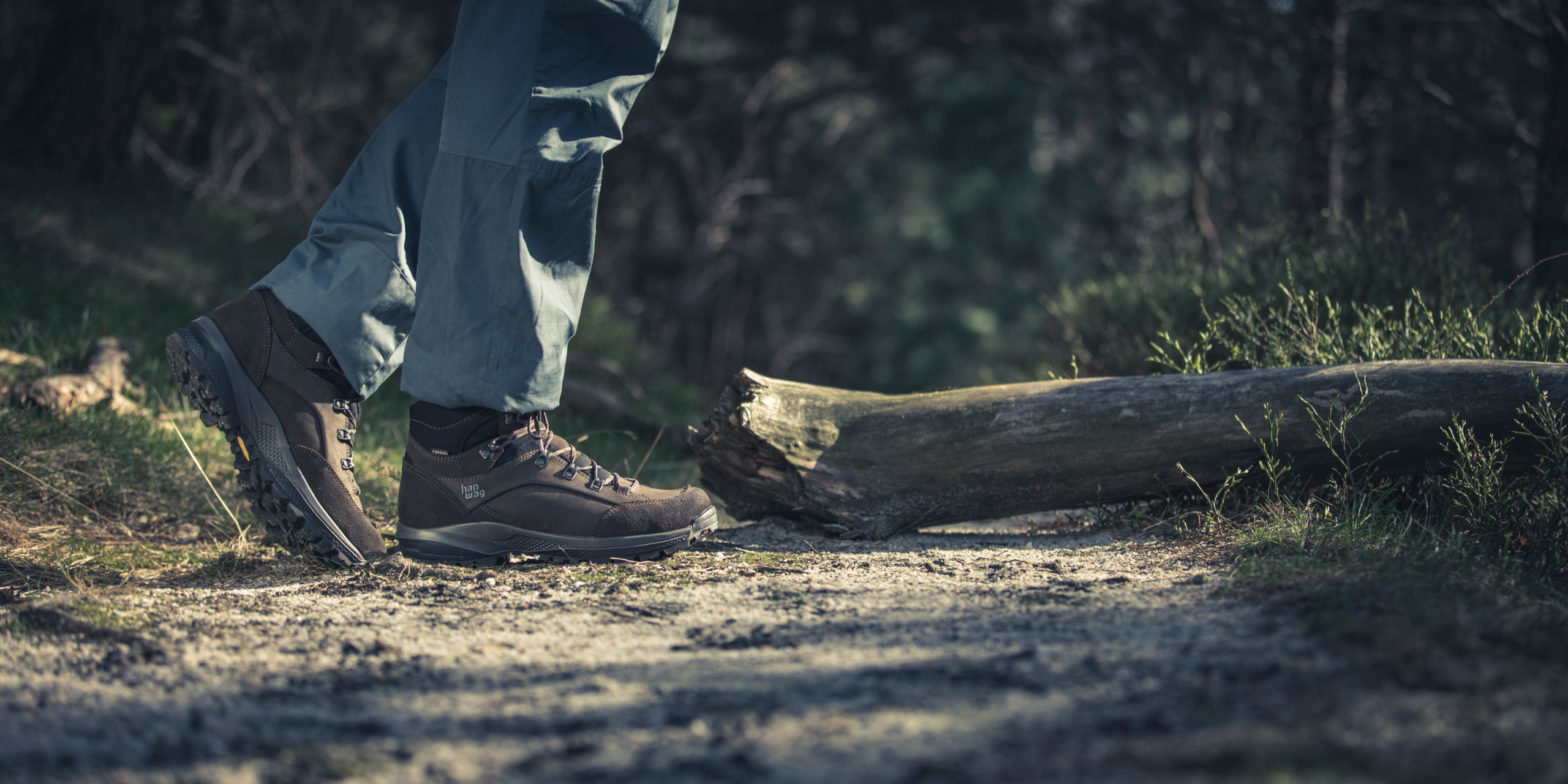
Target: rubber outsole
(493,544)
(205,368)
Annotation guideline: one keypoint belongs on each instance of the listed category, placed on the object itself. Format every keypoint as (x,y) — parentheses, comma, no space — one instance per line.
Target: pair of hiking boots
(478,486)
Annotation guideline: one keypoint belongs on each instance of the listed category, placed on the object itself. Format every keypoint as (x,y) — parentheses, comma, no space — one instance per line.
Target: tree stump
(873,465)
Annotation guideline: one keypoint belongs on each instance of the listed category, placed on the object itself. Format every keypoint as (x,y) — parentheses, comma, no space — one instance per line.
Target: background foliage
(901,195)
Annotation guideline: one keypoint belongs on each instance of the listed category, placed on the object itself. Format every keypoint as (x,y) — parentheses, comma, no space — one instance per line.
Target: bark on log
(878,464)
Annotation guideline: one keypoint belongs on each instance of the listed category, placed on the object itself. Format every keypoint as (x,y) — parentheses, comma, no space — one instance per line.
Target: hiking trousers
(458,244)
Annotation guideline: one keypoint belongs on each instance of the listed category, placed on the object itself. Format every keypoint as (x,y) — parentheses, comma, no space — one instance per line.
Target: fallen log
(872,465)
(17,368)
(104,378)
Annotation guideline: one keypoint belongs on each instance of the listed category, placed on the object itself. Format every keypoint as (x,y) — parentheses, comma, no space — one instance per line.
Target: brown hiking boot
(289,415)
(526,491)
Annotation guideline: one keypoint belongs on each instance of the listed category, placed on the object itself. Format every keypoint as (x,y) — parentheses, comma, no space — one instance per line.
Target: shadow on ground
(773,654)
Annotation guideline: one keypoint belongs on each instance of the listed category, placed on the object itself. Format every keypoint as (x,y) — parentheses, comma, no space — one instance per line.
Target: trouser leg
(352,279)
(508,229)
(482,186)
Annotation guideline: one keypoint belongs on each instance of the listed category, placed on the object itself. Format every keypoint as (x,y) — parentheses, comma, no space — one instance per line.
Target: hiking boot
(268,383)
(517,488)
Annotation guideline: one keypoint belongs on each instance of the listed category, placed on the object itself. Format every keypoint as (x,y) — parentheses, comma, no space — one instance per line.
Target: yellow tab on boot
(243,450)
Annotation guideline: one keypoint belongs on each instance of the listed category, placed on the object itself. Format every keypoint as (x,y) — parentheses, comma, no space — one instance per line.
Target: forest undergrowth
(1481,539)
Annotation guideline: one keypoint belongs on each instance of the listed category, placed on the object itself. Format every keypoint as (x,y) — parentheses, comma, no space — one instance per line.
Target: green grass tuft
(1489,528)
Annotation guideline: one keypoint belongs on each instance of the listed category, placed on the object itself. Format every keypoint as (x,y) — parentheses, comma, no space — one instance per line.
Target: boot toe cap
(654,515)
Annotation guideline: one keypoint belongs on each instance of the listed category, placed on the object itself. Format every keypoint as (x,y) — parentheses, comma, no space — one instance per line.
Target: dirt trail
(770,654)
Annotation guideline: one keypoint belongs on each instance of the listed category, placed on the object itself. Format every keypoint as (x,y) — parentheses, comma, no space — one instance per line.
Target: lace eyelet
(543,461)
(596,484)
(568,473)
(346,435)
(347,463)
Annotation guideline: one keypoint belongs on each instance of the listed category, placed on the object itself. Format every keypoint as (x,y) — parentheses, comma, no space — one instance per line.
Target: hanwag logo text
(470,492)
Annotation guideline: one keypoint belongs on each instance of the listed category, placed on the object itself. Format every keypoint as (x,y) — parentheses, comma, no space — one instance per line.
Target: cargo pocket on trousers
(558,221)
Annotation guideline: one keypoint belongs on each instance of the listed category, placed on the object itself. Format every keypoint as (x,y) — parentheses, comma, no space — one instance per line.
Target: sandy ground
(768,654)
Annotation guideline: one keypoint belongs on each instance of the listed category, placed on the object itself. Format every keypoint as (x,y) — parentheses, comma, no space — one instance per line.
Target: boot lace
(350,411)
(348,407)
(536,428)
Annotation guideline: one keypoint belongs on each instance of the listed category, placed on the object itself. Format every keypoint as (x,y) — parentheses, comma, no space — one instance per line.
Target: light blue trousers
(458,244)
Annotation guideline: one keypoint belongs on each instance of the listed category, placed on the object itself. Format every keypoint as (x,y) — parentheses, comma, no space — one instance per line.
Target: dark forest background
(903,194)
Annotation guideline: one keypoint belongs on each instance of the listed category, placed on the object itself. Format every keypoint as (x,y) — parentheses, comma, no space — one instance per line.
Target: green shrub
(1372,270)
(1504,499)
(1305,327)
(1511,513)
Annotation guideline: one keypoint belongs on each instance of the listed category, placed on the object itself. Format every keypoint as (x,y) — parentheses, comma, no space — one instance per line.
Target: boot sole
(493,544)
(210,375)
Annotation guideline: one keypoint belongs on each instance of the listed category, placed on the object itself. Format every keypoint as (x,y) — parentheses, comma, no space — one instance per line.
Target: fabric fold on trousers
(458,244)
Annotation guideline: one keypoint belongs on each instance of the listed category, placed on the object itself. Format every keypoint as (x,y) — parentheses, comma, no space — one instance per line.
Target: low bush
(1503,499)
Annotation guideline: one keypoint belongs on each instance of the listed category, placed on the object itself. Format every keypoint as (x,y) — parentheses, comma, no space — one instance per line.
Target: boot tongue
(507,422)
(332,374)
(533,426)
(324,366)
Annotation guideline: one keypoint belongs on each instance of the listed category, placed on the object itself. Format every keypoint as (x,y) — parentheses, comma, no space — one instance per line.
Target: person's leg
(489,173)
(504,255)
(509,215)
(352,278)
(281,369)
(491,210)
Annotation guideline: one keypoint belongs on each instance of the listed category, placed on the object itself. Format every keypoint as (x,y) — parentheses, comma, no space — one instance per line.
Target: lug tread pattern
(287,522)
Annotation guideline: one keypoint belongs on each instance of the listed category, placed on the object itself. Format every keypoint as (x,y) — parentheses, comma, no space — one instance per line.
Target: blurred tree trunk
(1338,111)
(85,98)
(194,89)
(1200,155)
(1318,182)
(1393,106)
(1551,173)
